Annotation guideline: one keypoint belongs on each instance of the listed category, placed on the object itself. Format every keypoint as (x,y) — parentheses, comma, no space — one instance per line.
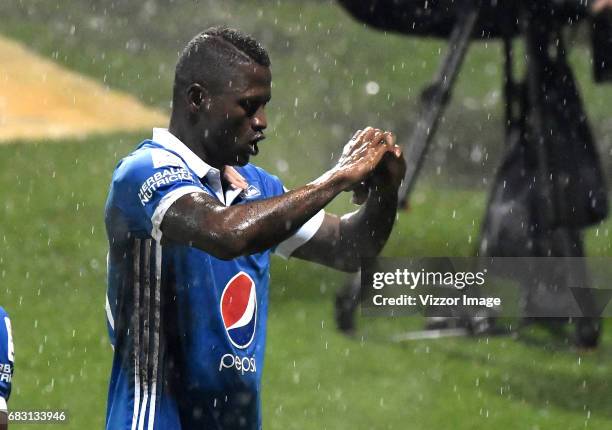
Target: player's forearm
(264,224)
(367,230)
(229,232)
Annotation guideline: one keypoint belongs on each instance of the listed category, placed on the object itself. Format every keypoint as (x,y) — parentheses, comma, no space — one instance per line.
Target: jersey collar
(212,175)
(169,141)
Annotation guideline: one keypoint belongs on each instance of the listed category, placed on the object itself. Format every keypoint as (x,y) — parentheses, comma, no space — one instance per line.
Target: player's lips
(254,150)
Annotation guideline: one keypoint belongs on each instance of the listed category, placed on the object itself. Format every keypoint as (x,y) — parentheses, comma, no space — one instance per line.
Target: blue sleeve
(146,183)
(6,355)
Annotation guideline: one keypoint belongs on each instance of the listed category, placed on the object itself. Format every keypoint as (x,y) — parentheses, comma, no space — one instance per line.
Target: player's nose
(259,121)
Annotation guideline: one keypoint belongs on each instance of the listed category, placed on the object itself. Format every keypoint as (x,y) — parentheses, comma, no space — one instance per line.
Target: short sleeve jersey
(7,357)
(188,329)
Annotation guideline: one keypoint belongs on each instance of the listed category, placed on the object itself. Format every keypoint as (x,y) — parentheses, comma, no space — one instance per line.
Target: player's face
(236,118)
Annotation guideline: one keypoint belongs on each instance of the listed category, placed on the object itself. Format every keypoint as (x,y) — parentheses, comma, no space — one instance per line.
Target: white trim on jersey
(146,357)
(143,408)
(136,327)
(164,205)
(9,336)
(3,405)
(300,237)
(213,175)
(169,141)
(109,314)
(156,333)
(146,301)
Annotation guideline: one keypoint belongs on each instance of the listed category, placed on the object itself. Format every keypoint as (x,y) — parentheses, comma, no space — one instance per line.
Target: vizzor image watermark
(507,287)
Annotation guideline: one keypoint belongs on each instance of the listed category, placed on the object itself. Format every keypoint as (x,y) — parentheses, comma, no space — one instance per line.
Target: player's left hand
(388,174)
(392,168)
(235,179)
(600,5)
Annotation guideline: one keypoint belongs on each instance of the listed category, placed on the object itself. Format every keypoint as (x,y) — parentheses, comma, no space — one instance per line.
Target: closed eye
(249,107)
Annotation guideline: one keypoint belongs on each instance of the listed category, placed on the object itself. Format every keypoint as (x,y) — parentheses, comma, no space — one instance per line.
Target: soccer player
(189,258)
(6,366)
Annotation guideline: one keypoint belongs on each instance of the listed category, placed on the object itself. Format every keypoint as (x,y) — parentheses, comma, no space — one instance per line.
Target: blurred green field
(53,246)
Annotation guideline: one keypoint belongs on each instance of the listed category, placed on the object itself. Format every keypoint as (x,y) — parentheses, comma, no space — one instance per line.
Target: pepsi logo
(239,310)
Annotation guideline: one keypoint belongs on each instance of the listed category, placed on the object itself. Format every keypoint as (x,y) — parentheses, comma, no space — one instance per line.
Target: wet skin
(223,126)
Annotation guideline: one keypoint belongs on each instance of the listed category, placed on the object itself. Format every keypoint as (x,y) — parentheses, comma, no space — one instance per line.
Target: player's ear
(197,97)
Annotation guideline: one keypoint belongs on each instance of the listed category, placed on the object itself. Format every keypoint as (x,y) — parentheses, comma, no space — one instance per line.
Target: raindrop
(282,165)
(372,88)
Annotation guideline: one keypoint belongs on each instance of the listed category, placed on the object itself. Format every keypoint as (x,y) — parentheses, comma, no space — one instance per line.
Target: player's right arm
(227,232)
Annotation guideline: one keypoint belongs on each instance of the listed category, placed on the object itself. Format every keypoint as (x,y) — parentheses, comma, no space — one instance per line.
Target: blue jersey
(188,329)
(7,357)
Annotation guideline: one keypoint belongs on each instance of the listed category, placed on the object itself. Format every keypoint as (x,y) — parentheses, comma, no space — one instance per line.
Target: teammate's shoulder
(260,180)
(256,172)
(3,313)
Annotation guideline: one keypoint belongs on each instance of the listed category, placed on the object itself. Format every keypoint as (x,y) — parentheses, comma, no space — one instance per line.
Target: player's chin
(242,159)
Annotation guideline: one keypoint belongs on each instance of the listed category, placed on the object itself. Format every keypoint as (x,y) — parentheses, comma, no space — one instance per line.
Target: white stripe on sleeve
(164,205)
(300,237)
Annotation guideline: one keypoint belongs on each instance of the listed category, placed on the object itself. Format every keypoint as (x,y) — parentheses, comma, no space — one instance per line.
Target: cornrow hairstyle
(211,55)
(241,41)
